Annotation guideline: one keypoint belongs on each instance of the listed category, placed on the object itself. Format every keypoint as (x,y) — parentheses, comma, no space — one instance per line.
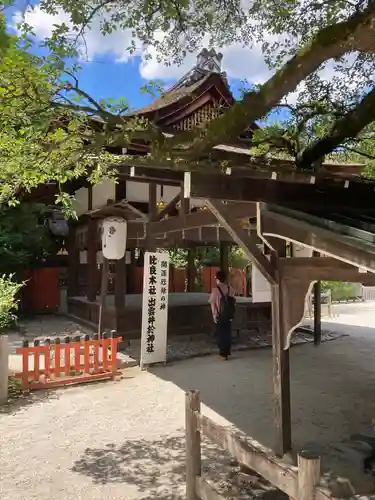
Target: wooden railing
(77,360)
(299,483)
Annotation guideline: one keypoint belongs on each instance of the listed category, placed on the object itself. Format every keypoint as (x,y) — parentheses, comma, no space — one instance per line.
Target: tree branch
(361,153)
(345,128)
(330,42)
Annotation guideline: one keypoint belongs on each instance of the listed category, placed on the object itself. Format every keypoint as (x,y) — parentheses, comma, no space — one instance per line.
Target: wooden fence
(368,293)
(299,483)
(76,360)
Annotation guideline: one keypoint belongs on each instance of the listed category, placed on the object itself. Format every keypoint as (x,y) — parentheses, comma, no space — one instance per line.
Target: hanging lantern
(245,223)
(114,232)
(161,205)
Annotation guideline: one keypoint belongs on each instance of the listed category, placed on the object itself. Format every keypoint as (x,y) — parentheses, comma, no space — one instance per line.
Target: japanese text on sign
(155,308)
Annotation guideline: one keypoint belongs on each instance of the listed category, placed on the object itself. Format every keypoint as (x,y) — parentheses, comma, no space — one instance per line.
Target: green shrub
(8,300)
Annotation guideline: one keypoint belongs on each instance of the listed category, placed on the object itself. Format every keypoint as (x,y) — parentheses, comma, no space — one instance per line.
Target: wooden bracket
(242,238)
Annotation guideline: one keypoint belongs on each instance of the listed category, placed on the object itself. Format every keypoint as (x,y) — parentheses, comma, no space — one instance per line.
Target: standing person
(223,306)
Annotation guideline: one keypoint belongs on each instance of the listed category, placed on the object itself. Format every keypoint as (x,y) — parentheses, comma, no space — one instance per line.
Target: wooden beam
(151,174)
(242,238)
(203,236)
(251,454)
(322,269)
(322,240)
(331,196)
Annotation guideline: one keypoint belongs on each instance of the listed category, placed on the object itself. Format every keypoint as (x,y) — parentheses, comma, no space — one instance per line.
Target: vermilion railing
(72,361)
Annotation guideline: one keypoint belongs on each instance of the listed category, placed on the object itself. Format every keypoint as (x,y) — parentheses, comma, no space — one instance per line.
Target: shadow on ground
(19,399)
(156,469)
(332,396)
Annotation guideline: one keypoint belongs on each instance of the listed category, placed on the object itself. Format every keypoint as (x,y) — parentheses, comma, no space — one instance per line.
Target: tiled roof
(171,96)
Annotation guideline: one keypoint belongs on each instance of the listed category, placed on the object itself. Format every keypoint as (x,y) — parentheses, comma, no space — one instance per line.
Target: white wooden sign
(155,308)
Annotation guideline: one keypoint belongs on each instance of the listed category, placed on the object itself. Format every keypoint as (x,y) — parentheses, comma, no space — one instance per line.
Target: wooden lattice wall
(207,112)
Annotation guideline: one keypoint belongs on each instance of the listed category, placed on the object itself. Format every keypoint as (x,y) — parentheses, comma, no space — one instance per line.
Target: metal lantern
(114,232)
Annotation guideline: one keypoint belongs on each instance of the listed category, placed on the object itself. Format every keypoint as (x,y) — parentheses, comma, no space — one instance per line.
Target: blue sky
(111,72)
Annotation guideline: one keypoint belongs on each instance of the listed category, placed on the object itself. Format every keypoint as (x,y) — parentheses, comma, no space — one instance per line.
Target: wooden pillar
(193,443)
(317,313)
(103,295)
(130,273)
(73,262)
(281,372)
(317,310)
(190,265)
(120,295)
(120,274)
(190,269)
(224,257)
(153,210)
(92,246)
(308,475)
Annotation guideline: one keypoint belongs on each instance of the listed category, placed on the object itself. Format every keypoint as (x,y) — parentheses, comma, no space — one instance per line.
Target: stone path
(179,348)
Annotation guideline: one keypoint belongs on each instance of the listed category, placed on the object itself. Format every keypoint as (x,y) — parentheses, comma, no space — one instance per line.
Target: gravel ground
(124,440)
(121,440)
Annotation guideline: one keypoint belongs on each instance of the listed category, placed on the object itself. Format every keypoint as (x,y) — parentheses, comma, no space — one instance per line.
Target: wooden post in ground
(4,368)
(281,376)
(308,475)
(193,443)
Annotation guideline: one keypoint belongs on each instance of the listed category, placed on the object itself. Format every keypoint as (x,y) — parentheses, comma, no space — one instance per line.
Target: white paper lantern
(114,232)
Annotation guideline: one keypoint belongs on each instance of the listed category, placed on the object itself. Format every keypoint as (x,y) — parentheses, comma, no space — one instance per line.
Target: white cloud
(94,44)
(239,62)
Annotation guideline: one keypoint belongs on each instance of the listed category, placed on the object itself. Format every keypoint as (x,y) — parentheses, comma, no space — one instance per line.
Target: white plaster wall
(260,287)
(102,192)
(137,191)
(80,203)
(169,192)
(197,202)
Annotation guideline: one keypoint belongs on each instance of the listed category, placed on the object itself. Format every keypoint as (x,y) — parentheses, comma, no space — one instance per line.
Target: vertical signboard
(155,308)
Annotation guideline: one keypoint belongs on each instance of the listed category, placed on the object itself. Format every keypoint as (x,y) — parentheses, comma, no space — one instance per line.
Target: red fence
(76,360)
(177,280)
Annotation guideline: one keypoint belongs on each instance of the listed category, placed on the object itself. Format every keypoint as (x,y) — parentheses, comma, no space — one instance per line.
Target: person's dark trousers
(224,338)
